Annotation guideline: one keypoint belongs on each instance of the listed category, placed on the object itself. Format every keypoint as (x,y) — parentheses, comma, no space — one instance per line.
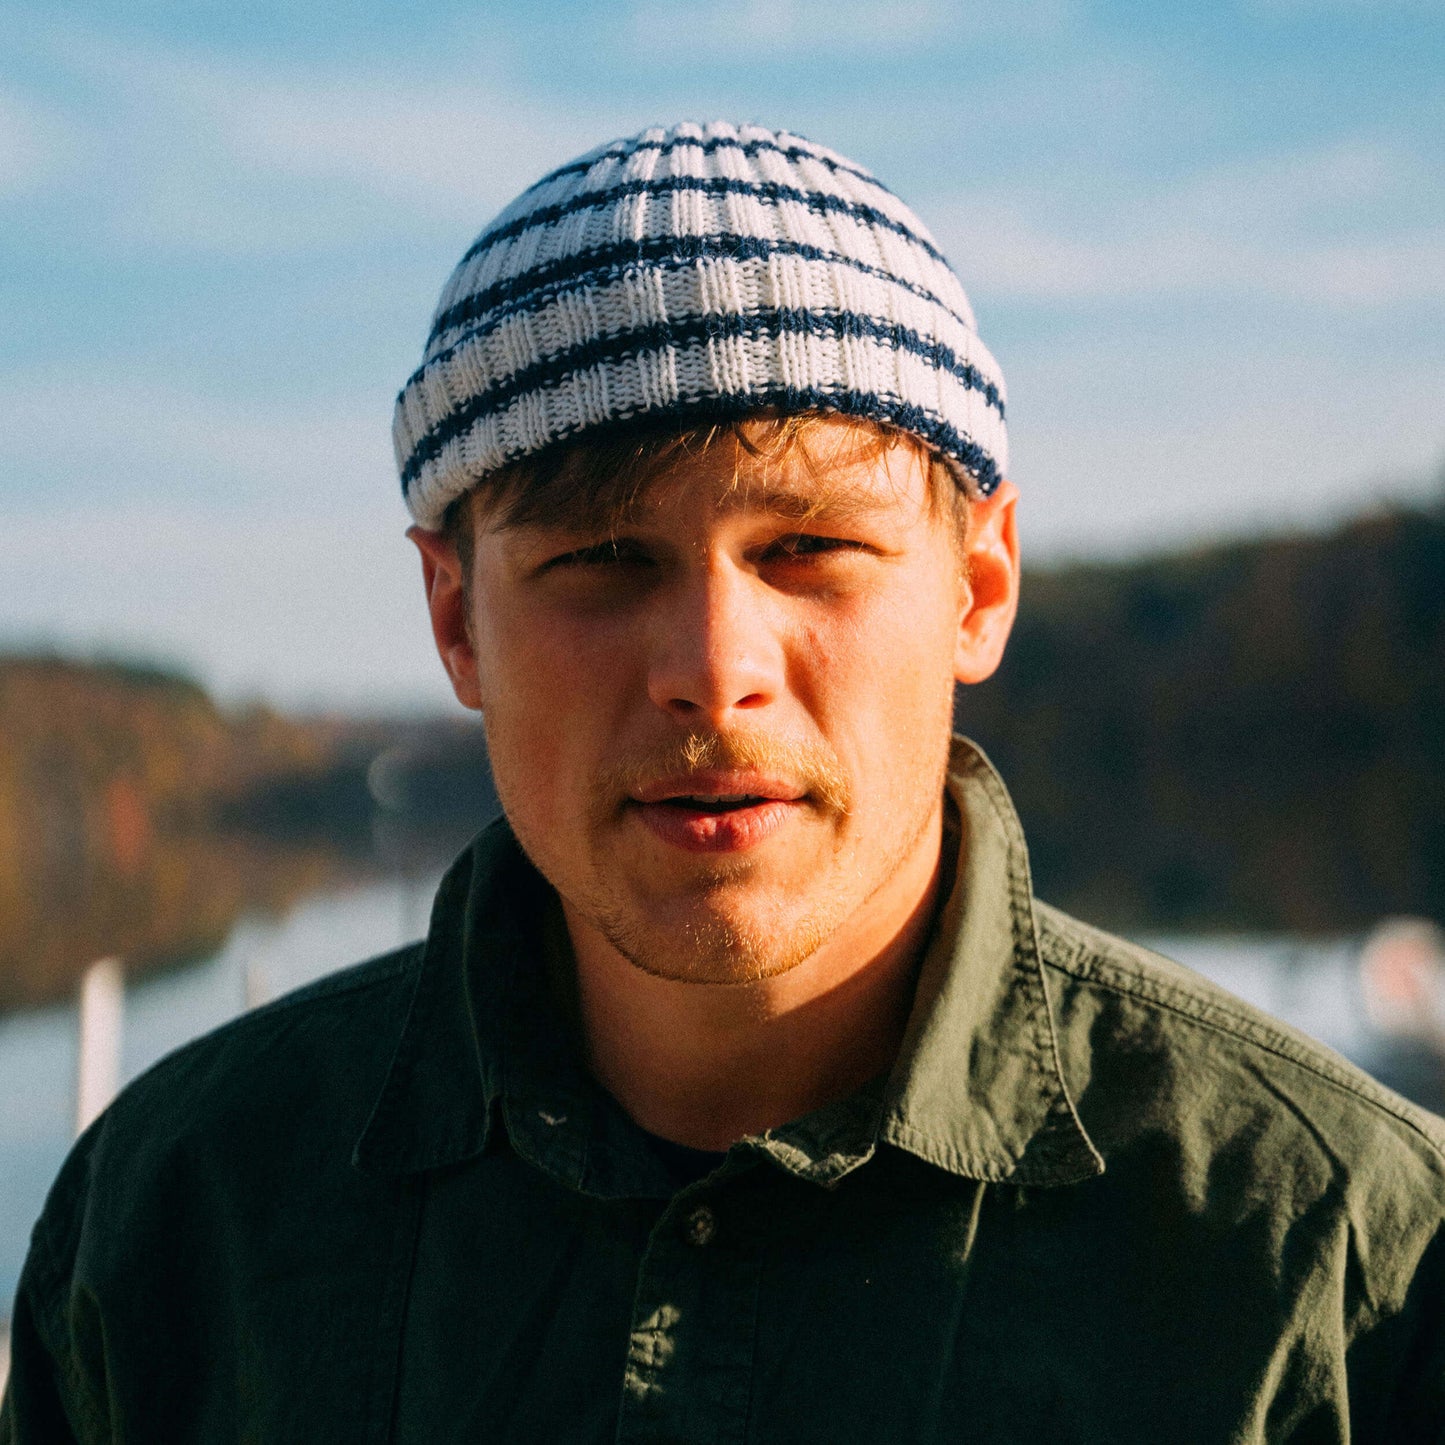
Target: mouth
(716,814)
(714,802)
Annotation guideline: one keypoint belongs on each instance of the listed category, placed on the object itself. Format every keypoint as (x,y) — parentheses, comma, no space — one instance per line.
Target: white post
(98,1074)
(257,986)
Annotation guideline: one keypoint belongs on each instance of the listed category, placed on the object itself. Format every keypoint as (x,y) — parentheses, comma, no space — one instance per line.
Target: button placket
(691,1351)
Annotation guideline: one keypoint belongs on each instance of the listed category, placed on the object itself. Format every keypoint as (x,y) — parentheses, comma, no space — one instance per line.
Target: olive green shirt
(1096,1199)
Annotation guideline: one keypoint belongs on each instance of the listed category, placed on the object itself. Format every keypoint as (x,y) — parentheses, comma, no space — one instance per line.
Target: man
(740,1090)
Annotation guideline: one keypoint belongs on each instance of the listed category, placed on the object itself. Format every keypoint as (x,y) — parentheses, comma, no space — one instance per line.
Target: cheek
(889,660)
(549,706)
(522,697)
(538,732)
(522,654)
(522,643)
(532,782)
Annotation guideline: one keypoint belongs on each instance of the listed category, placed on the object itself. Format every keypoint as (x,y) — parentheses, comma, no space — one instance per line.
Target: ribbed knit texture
(699,272)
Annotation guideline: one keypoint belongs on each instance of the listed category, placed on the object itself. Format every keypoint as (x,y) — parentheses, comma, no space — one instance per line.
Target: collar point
(1060,1159)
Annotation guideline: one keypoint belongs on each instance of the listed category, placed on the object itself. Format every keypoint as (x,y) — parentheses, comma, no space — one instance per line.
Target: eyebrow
(841,503)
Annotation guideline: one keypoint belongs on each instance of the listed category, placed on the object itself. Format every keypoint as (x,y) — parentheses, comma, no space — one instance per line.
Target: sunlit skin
(721,734)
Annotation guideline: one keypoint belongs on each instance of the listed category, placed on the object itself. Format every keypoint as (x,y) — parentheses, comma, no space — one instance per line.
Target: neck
(707,1064)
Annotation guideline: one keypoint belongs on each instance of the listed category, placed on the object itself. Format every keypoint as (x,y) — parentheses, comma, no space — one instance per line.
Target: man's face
(720,730)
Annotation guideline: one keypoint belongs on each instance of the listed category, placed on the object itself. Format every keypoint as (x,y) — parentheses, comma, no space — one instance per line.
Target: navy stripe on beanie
(771,192)
(608,263)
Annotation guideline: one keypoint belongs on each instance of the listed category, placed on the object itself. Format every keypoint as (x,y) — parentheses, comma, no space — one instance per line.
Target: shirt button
(700,1226)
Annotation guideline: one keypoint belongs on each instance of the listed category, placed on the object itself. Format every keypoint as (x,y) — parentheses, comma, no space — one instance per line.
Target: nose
(715,646)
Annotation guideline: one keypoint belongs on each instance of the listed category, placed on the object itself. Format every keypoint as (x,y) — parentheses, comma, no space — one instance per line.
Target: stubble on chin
(716,949)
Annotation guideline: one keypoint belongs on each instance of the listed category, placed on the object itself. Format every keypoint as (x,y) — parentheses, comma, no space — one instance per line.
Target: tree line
(1249,735)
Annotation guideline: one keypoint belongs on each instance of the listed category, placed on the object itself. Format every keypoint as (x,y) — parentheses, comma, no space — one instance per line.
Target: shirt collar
(977,1089)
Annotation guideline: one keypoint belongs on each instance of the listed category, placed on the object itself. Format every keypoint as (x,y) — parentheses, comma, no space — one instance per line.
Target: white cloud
(1375,273)
(224,154)
(1014,258)
(1285,228)
(462,152)
(771,29)
(1114,454)
(1344,9)
(1353,182)
(763,31)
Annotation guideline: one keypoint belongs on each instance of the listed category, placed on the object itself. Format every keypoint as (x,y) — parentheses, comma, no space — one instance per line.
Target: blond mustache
(810,766)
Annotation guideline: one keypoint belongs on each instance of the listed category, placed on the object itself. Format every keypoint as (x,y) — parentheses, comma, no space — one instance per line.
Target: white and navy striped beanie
(704,272)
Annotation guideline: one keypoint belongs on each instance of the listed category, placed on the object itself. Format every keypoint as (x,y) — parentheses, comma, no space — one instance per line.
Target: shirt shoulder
(1254,1179)
(1151,1050)
(341,1026)
(293,1079)
(1158,1006)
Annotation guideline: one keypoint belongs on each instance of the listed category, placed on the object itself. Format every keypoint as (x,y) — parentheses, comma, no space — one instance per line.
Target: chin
(713,947)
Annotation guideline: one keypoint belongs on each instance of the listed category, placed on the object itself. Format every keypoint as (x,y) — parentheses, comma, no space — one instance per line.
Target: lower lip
(696,830)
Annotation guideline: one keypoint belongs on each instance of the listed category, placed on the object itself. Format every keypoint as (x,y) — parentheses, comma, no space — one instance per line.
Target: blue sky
(1206,243)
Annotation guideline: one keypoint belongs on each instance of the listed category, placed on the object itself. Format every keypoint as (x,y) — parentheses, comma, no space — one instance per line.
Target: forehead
(887,484)
(833,469)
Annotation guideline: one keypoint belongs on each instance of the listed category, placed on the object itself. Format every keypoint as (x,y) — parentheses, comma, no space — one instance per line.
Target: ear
(991,593)
(446,601)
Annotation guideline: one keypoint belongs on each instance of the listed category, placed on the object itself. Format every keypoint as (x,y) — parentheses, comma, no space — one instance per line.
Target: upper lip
(719,784)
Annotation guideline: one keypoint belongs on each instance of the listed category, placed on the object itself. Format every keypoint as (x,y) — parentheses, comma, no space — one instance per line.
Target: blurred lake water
(38,1047)
(1313,985)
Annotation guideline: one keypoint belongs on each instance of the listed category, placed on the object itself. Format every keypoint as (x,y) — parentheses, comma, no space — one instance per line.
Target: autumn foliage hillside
(114,780)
